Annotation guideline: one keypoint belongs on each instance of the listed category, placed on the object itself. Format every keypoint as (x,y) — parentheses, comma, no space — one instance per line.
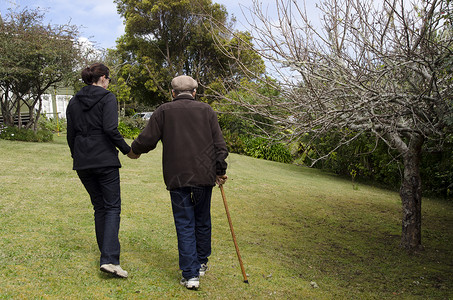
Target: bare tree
(368,67)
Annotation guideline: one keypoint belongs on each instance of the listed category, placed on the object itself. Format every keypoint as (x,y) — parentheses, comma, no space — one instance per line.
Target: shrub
(279,152)
(262,148)
(131,127)
(130,122)
(235,143)
(436,169)
(371,161)
(52,124)
(127,131)
(26,135)
(368,160)
(257,147)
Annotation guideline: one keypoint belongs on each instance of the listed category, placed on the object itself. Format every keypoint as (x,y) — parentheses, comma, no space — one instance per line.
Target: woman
(93,137)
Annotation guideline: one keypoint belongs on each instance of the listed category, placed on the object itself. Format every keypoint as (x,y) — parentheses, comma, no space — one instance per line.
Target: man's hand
(132,155)
(221,179)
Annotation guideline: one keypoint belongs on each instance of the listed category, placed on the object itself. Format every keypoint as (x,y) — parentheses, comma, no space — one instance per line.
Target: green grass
(294,225)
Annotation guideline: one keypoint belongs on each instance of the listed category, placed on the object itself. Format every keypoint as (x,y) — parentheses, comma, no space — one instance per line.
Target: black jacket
(93,136)
(194,150)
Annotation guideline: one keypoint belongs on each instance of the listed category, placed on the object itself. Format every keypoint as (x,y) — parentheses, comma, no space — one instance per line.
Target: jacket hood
(89,95)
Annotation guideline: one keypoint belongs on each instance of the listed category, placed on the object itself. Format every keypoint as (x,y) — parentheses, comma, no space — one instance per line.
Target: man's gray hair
(177,93)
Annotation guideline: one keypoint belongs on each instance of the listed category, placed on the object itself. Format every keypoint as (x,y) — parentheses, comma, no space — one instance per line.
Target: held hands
(221,179)
(132,155)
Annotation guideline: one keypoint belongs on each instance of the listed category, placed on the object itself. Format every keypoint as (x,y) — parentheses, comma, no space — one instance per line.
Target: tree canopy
(168,38)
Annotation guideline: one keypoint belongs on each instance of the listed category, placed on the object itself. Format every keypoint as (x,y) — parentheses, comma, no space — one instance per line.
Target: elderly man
(194,154)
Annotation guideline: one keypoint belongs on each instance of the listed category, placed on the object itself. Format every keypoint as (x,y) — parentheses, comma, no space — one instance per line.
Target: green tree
(119,85)
(33,58)
(168,38)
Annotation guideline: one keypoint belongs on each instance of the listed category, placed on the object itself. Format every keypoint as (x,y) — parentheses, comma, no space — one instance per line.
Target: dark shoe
(114,269)
(192,283)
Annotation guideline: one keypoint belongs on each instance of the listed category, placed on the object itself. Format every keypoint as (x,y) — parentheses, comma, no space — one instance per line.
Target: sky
(99,22)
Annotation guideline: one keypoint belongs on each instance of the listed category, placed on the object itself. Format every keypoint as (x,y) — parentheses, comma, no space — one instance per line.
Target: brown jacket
(194,150)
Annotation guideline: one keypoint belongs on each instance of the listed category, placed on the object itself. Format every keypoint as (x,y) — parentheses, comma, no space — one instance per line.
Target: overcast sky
(98,20)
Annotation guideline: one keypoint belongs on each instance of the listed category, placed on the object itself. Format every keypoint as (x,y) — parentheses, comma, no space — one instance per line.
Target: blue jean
(192,214)
(103,185)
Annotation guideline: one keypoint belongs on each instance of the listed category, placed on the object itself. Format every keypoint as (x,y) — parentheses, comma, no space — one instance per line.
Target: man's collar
(184,96)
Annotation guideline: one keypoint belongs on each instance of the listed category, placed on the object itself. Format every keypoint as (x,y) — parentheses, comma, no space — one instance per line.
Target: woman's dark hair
(92,73)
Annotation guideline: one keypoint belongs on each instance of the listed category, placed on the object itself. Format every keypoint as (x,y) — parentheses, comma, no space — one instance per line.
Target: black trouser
(103,185)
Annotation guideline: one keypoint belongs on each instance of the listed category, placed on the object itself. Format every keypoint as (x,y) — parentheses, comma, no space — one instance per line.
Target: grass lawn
(295,226)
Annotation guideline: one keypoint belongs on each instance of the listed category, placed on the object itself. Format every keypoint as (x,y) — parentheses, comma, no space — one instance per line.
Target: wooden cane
(232,233)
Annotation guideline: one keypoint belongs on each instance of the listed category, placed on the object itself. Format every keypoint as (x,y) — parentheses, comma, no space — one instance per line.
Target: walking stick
(232,233)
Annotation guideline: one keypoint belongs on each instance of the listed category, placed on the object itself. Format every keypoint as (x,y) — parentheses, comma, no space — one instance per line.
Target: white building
(56,102)
(53,104)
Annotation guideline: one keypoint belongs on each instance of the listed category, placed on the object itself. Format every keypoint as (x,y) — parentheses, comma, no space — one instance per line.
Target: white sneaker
(192,283)
(114,269)
(203,269)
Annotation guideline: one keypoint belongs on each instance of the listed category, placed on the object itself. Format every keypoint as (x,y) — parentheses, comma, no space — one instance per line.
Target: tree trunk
(19,117)
(7,108)
(411,195)
(38,114)
(8,119)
